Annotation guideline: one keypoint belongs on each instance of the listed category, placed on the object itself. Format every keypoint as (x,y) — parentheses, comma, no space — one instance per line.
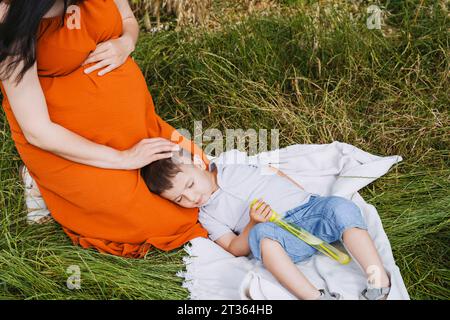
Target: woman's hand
(260,212)
(110,55)
(146,151)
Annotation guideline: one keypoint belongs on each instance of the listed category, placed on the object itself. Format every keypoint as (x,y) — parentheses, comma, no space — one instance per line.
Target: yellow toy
(308,238)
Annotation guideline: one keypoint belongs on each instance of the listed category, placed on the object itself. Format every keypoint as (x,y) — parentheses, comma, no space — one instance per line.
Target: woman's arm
(130,33)
(28,104)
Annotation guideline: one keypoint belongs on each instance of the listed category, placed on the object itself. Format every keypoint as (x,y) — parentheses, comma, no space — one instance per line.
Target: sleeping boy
(223,193)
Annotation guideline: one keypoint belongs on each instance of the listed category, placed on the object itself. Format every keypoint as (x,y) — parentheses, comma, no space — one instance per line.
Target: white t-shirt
(227,210)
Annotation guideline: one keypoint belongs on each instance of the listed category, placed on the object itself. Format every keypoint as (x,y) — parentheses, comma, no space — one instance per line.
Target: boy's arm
(236,244)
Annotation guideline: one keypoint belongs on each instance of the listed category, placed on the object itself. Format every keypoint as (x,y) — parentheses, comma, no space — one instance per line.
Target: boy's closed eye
(181,197)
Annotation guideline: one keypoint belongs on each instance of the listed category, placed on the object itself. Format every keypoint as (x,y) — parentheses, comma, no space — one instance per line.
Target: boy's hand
(260,212)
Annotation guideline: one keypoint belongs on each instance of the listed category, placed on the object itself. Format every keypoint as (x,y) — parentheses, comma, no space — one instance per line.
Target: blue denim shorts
(324,217)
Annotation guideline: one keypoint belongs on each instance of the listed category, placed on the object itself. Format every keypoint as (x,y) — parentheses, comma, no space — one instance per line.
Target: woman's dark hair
(18,33)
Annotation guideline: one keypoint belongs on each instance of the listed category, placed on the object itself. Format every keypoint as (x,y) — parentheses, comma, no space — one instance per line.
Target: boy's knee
(267,243)
(347,214)
(262,230)
(258,233)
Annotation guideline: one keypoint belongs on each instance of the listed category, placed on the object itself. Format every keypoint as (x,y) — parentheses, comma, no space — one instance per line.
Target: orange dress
(108,209)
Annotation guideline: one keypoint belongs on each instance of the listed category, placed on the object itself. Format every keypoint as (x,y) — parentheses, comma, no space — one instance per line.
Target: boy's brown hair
(158,175)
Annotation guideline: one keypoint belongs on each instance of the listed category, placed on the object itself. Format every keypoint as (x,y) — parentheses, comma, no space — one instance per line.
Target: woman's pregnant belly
(109,109)
(113,110)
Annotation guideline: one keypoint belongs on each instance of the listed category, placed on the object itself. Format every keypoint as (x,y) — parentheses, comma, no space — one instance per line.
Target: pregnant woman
(84,123)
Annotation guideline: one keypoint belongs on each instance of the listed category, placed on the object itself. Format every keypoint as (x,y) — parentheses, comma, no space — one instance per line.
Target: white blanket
(328,169)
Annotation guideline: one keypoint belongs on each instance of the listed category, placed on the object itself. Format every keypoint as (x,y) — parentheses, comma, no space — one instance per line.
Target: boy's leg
(342,220)
(362,248)
(276,260)
(278,249)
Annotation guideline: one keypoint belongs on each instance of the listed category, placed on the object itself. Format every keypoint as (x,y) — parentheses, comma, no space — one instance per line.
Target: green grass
(316,78)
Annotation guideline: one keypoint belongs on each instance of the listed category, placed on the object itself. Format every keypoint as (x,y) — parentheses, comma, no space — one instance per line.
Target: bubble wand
(308,238)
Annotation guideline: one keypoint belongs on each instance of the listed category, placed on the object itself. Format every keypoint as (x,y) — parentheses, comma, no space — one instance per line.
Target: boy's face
(192,187)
